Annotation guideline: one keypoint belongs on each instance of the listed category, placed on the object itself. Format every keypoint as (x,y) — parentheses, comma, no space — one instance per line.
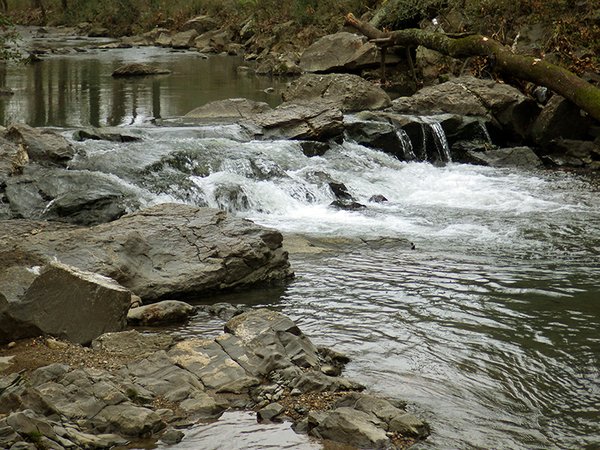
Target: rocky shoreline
(130,385)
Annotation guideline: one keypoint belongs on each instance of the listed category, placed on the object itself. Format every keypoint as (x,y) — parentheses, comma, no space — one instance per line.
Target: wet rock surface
(263,362)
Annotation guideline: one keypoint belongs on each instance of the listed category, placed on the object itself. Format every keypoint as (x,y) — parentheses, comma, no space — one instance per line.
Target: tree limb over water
(538,71)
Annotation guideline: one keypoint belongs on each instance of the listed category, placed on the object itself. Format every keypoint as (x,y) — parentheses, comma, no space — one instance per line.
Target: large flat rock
(168,250)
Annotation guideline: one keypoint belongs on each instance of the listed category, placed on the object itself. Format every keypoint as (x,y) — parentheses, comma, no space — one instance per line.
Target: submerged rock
(137,69)
(168,250)
(105,134)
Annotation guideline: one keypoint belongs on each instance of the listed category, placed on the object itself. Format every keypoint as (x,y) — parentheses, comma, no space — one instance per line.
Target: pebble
(53,344)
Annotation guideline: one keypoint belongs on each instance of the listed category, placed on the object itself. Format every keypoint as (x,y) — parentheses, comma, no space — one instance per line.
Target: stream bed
(488,328)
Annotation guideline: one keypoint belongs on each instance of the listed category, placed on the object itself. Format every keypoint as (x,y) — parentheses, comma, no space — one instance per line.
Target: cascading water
(488,328)
(407,146)
(439,139)
(441,142)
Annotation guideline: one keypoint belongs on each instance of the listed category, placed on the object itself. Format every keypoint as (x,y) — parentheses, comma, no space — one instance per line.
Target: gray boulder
(61,301)
(278,64)
(229,109)
(522,157)
(340,51)
(559,118)
(164,251)
(344,91)
(184,39)
(137,70)
(317,121)
(42,146)
(270,412)
(75,196)
(349,426)
(164,39)
(165,312)
(213,40)
(201,24)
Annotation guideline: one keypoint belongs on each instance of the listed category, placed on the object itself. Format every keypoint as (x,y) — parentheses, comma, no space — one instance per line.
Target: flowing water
(489,328)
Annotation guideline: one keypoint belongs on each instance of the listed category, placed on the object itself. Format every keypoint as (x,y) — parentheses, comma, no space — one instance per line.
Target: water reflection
(69,91)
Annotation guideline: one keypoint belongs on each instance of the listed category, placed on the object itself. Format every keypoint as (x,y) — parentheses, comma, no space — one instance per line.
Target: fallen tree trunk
(538,71)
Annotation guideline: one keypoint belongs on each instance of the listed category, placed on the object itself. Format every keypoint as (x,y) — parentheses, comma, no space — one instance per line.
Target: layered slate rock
(13,158)
(347,92)
(262,362)
(166,251)
(61,301)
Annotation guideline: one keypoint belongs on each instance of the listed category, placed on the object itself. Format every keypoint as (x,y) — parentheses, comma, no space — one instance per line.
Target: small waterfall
(407,147)
(485,132)
(441,143)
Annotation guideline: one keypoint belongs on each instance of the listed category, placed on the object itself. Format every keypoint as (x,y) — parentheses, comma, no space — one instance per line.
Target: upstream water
(489,328)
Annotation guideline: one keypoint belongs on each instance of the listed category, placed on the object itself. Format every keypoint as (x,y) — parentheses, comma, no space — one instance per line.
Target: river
(488,328)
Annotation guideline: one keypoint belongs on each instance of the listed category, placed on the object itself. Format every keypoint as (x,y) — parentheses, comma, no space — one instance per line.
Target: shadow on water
(71,91)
